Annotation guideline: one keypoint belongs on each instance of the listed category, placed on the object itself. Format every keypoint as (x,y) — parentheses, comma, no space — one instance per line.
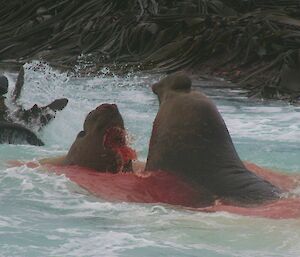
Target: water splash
(47,215)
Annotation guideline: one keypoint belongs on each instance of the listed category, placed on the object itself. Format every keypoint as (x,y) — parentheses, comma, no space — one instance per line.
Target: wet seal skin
(101,145)
(30,120)
(36,116)
(190,138)
(12,133)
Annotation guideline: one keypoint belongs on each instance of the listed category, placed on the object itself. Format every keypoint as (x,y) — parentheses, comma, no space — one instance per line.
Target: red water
(115,138)
(282,209)
(158,187)
(162,187)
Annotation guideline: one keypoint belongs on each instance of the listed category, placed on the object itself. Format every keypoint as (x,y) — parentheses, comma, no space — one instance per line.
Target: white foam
(108,243)
(61,219)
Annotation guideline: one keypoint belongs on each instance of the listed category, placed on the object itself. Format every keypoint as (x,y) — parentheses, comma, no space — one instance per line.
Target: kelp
(254,43)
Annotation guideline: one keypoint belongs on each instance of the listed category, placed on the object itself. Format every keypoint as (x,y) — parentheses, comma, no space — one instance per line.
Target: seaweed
(254,43)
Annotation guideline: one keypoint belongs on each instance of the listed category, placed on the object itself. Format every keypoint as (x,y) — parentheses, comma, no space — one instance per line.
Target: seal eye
(81,134)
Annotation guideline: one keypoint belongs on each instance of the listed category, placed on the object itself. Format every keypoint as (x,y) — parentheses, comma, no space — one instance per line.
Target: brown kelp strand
(254,43)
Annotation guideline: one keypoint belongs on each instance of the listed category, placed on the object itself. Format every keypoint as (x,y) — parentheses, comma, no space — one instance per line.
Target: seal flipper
(42,114)
(57,104)
(36,113)
(19,85)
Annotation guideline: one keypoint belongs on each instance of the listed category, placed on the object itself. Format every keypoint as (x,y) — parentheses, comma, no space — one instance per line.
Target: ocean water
(43,214)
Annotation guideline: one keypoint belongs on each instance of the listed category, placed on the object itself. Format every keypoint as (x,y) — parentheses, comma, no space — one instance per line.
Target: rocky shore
(253,43)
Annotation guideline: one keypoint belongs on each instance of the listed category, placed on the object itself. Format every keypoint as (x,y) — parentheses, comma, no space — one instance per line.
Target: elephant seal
(190,138)
(12,133)
(36,116)
(101,145)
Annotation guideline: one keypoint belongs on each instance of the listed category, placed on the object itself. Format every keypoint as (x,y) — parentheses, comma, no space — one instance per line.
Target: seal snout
(108,115)
(108,109)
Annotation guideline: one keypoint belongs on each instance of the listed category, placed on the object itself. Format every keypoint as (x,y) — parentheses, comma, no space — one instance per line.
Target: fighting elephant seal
(34,118)
(189,138)
(101,145)
(12,133)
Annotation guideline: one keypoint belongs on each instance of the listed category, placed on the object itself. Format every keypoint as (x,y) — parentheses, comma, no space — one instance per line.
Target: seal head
(101,145)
